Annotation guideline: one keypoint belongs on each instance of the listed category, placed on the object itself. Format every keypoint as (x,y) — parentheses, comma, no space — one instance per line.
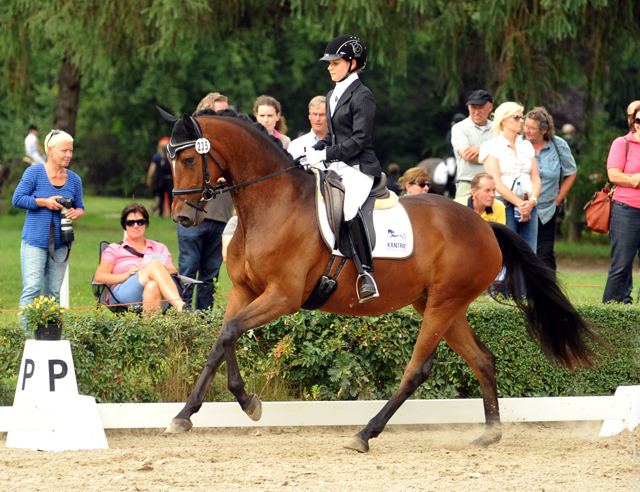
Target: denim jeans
(528,230)
(546,241)
(38,267)
(201,253)
(624,233)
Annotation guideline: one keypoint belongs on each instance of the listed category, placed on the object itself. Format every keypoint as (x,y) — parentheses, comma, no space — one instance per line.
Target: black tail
(553,322)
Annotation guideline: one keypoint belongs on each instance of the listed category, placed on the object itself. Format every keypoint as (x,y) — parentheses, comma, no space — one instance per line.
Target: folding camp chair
(101,291)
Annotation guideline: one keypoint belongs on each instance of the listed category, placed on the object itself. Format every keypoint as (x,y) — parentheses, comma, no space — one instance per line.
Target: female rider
(347,148)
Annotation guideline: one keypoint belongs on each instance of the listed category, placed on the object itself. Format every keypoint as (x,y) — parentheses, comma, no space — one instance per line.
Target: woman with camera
(44,191)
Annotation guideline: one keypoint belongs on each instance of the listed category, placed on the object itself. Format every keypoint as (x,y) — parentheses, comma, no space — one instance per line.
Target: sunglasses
(518,118)
(140,222)
(637,121)
(423,184)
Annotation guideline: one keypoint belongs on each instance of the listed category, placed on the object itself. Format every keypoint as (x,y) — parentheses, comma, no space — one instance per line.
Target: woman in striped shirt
(43,253)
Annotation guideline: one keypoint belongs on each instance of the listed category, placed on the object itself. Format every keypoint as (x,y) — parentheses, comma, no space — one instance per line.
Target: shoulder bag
(599,207)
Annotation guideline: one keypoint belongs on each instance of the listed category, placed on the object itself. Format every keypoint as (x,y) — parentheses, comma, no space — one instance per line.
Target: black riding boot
(363,258)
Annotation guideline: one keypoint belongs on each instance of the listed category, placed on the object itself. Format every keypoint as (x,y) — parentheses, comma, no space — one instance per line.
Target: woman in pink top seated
(121,266)
(623,168)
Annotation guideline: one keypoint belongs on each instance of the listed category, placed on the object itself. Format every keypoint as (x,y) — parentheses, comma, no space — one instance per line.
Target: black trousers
(546,240)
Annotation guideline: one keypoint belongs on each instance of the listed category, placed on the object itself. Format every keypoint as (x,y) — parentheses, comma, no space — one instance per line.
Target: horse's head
(193,178)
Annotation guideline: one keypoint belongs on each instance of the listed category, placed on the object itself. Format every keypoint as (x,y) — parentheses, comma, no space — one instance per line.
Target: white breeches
(356,187)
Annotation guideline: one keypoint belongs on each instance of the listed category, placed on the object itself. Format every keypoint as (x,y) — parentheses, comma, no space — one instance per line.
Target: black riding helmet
(349,48)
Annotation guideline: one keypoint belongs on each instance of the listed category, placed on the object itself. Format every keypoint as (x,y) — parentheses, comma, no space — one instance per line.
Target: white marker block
(47,382)
(632,395)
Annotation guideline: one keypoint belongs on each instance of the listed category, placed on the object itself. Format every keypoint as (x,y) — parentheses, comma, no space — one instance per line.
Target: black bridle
(207,192)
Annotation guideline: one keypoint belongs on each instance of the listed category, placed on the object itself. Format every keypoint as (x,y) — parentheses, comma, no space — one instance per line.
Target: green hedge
(316,355)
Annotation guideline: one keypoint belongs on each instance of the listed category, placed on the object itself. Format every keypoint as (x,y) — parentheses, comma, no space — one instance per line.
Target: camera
(66,226)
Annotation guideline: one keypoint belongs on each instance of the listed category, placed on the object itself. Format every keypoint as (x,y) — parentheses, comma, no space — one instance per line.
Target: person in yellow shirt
(482,199)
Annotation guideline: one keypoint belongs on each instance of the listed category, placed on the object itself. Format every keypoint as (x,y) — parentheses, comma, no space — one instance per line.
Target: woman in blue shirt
(44,259)
(556,165)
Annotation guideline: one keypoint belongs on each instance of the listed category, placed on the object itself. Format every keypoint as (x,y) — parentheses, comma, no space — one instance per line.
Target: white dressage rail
(622,410)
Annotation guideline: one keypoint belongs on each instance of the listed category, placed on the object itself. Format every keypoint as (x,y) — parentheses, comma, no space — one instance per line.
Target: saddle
(332,191)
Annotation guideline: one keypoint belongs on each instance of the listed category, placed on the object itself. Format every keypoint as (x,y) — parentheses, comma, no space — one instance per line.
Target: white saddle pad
(394,233)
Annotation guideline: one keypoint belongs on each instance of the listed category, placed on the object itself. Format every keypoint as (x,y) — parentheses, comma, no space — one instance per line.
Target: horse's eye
(189,161)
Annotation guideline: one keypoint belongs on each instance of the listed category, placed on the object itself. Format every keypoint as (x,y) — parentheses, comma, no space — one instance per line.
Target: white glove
(315,157)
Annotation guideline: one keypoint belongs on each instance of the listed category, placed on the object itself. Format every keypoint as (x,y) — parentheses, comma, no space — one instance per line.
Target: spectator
(121,266)
(393,175)
(215,101)
(511,159)
(569,135)
(627,294)
(482,199)
(161,167)
(415,181)
(467,136)
(623,169)
(457,118)
(557,169)
(268,113)
(32,147)
(43,253)
(318,120)
(227,234)
(201,246)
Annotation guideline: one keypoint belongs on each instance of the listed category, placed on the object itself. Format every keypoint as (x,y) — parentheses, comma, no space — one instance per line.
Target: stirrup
(373,296)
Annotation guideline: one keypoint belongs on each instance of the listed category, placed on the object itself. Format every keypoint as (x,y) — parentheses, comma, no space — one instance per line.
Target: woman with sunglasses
(121,266)
(44,252)
(415,181)
(623,169)
(512,160)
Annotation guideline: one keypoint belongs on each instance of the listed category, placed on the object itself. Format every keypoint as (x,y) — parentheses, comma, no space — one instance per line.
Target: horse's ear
(191,125)
(168,117)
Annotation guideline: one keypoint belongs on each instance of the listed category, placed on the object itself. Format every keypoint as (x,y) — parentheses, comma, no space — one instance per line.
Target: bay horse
(277,255)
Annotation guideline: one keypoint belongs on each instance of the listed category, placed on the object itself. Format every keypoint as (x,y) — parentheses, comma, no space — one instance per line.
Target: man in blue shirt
(557,169)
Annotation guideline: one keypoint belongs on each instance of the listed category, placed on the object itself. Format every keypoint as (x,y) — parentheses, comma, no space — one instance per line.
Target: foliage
(316,355)
(42,311)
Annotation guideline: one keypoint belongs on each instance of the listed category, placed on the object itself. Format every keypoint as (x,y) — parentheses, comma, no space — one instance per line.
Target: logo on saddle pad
(396,242)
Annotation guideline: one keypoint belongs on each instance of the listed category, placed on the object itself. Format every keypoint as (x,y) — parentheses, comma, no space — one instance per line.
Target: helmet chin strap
(349,72)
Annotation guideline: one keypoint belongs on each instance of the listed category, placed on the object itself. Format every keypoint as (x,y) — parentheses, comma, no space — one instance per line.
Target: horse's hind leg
(482,362)
(415,374)
(410,382)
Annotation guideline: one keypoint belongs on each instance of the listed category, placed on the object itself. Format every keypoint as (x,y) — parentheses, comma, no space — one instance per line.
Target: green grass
(101,222)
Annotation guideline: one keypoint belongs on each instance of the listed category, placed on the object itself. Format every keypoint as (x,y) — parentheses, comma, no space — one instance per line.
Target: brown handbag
(599,207)
(599,210)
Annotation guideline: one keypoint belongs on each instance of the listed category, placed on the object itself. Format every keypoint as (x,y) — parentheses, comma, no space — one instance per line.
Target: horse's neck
(261,203)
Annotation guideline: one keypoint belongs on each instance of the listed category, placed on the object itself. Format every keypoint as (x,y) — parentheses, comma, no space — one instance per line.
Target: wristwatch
(534,199)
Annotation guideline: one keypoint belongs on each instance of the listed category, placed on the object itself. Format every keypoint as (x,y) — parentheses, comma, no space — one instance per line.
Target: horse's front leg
(272,304)
(182,421)
(262,310)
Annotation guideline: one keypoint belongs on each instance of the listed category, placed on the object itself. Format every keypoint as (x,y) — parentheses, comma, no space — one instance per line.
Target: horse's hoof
(254,410)
(178,426)
(490,436)
(357,444)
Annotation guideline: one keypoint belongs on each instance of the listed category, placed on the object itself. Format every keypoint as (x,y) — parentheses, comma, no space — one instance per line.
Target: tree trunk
(575,231)
(66,107)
